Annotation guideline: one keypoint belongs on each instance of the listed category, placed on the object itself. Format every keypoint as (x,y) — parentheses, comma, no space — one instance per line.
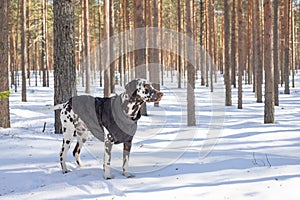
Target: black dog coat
(98,112)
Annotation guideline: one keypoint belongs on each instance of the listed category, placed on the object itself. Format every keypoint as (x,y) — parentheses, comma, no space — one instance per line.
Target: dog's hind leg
(81,139)
(126,152)
(107,156)
(68,132)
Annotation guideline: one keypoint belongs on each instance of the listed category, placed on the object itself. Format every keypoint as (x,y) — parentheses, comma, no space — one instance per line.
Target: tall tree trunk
(268,64)
(282,41)
(233,44)
(254,48)
(87,47)
(125,41)
(80,66)
(258,61)
(17,61)
(228,100)
(250,44)
(107,76)
(154,58)
(64,55)
(240,54)
(292,25)
(121,43)
(191,118)
(4,86)
(207,59)
(140,40)
(179,46)
(276,51)
(140,44)
(202,56)
(161,17)
(111,49)
(211,41)
(43,53)
(35,58)
(99,42)
(12,45)
(23,50)
(286,47)
(28,14)
(46,42)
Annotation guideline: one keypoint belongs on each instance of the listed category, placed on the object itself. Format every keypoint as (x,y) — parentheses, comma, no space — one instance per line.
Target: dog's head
(142,90)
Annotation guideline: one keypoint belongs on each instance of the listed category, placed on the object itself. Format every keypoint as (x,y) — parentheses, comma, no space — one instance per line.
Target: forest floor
(230,154)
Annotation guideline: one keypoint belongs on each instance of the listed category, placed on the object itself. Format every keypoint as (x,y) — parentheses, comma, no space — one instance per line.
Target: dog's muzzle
(156,96)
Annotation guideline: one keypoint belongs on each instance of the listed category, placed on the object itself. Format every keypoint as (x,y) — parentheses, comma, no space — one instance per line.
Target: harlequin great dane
(112,120)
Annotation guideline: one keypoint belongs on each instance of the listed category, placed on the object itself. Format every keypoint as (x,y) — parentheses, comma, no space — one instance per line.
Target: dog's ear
(131,87)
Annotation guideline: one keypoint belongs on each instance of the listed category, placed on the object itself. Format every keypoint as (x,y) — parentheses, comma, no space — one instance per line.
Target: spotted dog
(112,120)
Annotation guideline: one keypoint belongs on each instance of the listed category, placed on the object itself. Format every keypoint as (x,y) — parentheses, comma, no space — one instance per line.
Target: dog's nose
(159,95)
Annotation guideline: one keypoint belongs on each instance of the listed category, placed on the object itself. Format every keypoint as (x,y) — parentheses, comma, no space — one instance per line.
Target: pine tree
(240,53)
(23,49)
(140,44)
(258,56)
(276,51)
(107,76)
(64,55)
(228,101)
(286,46)
(87,47)
(4,87)
(191,121)
(268,64)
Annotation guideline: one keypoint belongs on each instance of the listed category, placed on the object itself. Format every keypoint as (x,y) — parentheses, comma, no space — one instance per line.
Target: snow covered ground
(230,154)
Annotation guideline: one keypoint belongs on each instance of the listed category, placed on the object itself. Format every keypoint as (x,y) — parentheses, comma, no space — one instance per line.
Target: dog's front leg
(126,152)
(107,158)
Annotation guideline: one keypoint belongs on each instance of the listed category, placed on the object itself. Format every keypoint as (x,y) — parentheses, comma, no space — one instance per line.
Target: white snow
(230,154)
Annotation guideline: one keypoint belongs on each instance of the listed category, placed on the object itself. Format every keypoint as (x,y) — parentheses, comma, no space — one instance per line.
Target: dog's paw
(108,177)
(66,171)
(128,175)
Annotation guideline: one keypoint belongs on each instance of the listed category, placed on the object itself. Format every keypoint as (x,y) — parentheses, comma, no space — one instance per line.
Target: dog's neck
(131,105)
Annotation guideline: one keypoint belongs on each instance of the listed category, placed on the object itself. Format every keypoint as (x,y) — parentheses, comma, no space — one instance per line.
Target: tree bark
(240,54)
(13,57)
(100,63)
(111,49)
(276,51)
(4,86)
(250,46)
(179,46)
(28,14)
(87,47)
(107,76)
(268,64)
(233,44)
(23,49)
(161,17)
(43,52)
(228,100)
(154,58)
(64,55)
(191,118)
(202,56)
(286,47)
(140,41)
(258,61)
(211,42)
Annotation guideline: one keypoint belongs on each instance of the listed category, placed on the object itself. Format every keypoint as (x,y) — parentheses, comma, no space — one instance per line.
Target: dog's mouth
(156,97)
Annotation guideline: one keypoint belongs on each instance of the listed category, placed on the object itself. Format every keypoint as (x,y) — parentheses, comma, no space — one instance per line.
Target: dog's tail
(58,106)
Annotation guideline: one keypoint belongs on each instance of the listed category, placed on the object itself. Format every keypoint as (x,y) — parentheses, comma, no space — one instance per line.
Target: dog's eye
(146,91)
